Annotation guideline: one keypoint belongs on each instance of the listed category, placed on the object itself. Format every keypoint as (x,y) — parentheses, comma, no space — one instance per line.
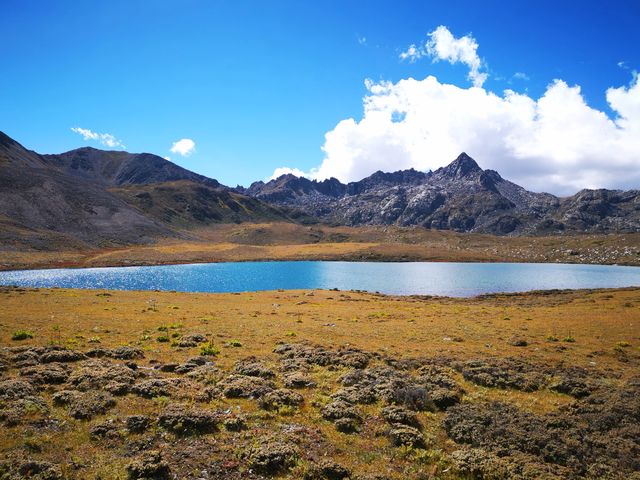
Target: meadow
(318,384)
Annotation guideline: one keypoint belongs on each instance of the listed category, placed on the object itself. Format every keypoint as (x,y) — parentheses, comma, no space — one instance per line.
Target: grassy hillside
(187,205)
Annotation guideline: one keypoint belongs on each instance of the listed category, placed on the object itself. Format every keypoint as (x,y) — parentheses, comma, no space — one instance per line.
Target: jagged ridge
(461,197)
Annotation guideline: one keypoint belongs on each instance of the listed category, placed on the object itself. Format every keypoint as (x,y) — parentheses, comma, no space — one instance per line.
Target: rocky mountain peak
(461,167)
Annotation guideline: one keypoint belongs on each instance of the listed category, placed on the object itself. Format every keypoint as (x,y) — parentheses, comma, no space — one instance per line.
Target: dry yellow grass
(396,327)
(284,241)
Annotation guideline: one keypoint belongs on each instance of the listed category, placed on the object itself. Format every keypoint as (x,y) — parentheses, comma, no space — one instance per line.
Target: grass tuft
(21,335)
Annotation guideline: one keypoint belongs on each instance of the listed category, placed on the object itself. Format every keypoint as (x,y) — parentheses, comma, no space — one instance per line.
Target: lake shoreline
(440,279)
(289,242)
(169,262)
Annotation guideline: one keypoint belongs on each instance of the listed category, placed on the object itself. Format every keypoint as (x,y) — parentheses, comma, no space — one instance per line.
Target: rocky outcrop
(461,197)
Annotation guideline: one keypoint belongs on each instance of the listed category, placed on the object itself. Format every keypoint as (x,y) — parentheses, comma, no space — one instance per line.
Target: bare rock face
(461,197)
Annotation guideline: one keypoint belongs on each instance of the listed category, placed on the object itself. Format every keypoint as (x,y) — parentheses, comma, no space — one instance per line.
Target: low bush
(21,335)
(209,349)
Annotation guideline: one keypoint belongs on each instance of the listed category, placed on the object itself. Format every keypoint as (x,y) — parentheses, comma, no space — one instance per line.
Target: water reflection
(442,278)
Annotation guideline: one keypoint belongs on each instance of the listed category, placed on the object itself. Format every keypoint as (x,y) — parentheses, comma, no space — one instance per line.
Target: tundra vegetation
(289,241)
(536,385)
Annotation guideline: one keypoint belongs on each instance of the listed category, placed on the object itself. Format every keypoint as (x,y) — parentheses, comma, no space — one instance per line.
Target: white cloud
(412,53)
(362,40)
(555,143)
(167,158)
(278,172)
(442,45)
(104,138)
(184,147)
(521,76)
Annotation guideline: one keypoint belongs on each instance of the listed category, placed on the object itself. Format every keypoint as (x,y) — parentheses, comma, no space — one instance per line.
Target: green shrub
(286,410)
(209,349)
(163,338)
(234,343)
(21,335)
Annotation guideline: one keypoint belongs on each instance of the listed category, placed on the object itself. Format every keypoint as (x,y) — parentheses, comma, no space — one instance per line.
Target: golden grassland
(398,326)
(597,329)
(285,241)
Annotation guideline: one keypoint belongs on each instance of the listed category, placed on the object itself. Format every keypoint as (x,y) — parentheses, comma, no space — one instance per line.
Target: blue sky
(257,85)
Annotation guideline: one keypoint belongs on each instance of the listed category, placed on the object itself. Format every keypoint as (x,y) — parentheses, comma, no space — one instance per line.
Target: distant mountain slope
(461,197)
(186,204)
(34,196)
(91,197)
(116,168)
(95,197)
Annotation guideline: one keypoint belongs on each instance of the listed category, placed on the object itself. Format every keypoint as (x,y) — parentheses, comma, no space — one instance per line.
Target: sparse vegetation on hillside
(370,386)
(288,241)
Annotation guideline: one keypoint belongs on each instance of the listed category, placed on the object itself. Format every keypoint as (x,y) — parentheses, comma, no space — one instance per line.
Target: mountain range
(461,197)
(92,197)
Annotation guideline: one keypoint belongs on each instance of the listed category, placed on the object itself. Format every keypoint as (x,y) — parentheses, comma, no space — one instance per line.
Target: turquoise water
(412,278)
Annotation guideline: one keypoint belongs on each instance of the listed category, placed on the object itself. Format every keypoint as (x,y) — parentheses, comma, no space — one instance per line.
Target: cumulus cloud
(278,172)
(105,139)
(442,45)
(183,147)
(555,143)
